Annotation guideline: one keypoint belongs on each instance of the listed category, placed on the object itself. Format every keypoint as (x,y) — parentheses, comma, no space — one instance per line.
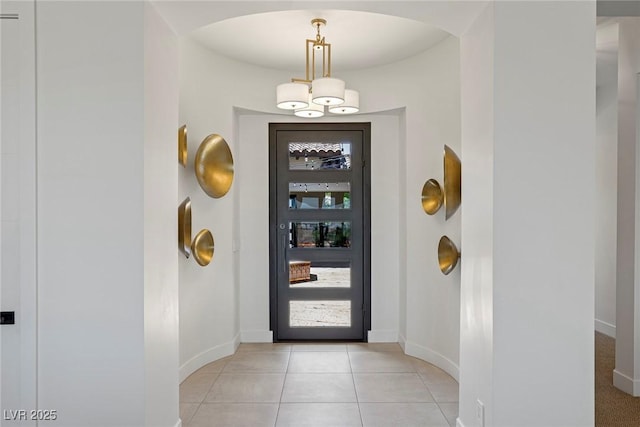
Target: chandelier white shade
(308,96)
(311,111)
(292,96)
(327,91)
(350,105)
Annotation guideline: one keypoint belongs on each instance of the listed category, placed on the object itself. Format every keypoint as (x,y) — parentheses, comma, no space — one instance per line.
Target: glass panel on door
(315,274)
(320,314)
(329,234)
(319,195)
(315,156)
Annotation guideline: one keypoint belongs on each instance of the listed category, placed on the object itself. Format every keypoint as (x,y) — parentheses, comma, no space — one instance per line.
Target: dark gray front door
(319,231)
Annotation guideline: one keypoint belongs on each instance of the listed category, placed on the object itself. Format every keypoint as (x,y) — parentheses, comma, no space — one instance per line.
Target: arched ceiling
(453,16)
(358,39)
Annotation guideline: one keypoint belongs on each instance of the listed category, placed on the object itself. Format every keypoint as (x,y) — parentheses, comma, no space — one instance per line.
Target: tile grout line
(433,397)
(428,389)
(284,381)
(203,398)
(355,390)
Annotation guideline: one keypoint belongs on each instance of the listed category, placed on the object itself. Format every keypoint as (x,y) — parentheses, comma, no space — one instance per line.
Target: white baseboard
(208,356)
(402,340)
(236,342)
(605,328)
(256,335)
(626,384)
(434,358)
(382,335)
(179,423)
(459,423)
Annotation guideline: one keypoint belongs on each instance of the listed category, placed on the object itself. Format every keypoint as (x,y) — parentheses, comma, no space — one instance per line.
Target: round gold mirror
(452,182)
(184,227)
(431,196)
(214,166)
(202,247)
(448,255)
(182,145)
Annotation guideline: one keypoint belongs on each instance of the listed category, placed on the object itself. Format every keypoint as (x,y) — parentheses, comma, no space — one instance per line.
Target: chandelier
(309,96)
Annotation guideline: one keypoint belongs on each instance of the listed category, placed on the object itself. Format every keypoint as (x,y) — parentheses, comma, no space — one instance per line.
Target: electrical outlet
(7,318)
(480,412)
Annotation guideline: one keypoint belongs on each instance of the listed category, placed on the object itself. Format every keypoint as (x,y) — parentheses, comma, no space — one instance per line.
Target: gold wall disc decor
(448,255)
(432,196)
(452,182)
(214,166)
(182,145)
(184,227)
(202,247)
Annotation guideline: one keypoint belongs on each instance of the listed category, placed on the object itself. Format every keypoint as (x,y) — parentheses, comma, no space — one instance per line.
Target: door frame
(365,128)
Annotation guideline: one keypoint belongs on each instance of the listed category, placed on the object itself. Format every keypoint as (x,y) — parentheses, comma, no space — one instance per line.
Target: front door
(319,231)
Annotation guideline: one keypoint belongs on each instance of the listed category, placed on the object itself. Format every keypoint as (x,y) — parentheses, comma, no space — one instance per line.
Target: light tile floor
(323,385)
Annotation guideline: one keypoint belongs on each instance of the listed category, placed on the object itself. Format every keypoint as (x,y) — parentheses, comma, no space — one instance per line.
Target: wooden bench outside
(299,271)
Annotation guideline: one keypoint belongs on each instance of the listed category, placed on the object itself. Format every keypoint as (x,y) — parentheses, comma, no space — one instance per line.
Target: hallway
(354,384)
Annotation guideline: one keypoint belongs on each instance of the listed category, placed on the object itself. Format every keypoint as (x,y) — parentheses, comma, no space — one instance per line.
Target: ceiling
(358,39)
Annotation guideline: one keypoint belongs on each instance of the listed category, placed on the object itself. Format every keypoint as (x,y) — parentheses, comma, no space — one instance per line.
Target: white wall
(18,191)
(538,264)
(90,212)
(627,372)
(432,120)
(161,92)
(606,176)
(476,299)
(209,296)
(427,87)
(253,215)
(107,320)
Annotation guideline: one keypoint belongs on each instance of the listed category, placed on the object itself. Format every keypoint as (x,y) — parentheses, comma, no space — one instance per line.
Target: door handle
(283,252)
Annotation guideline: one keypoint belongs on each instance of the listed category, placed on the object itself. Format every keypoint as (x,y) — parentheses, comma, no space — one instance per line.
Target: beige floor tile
(397,387)
(263,347)
(450,411)
(375,346)
(186,412)
(444,392)
(432,374)
(318,388)
(215,366)
(254,361)
(380,362)
(318,415)
(319,347)
(245,388)
(235,415)
(313,361)
(196,387)
(402,415)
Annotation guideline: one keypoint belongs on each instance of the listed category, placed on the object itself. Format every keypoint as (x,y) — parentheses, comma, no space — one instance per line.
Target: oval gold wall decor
(448,255)
(203,247)
(214,166)
(182,145)
(184,227)
(432,196)
(452,182)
